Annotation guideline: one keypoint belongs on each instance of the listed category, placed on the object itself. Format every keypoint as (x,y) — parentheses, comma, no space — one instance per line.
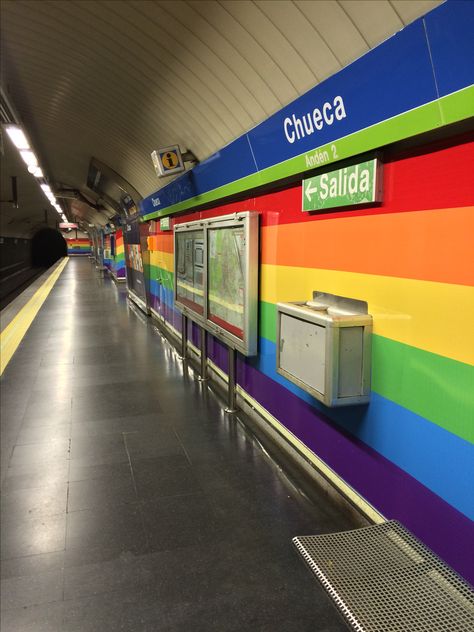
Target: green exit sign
(165,223)
(350,186)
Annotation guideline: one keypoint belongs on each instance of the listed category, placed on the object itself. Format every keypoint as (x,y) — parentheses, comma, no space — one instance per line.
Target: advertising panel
(134,264)
(226,291)
(216,277)
(190,269)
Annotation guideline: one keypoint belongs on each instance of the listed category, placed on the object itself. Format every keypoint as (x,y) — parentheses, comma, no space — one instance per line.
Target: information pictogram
(167,160)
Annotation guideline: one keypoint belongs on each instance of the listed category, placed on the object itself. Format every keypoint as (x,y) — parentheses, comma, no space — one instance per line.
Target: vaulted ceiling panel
(334,25)
(375,21)
(303,35)
(261,28)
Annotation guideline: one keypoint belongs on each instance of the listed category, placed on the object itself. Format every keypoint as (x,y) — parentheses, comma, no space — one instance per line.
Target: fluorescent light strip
(29,157)
(17,136)
(36,171)
(19,140)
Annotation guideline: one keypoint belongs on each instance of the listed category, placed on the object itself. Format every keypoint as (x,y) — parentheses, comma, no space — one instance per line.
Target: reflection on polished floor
(129,500)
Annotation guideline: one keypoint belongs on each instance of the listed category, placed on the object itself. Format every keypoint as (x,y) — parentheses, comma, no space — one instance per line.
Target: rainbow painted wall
(118,263)
(410,451)
(114,254)
(79,246)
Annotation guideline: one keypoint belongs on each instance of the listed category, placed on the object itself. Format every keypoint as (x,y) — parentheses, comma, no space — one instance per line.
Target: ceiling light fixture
(17,136)
(29,157)
(20,141)
(36,171)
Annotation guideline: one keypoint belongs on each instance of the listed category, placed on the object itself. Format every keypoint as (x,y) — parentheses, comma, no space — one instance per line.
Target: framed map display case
(216,277)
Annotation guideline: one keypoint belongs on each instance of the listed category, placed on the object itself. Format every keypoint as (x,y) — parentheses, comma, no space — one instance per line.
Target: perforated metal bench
(383,579)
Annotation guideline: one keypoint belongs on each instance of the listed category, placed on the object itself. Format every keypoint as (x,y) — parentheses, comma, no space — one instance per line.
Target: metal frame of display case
(249,220)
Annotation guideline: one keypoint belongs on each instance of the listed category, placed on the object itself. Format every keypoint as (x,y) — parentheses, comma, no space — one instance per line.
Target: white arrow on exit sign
(310,190)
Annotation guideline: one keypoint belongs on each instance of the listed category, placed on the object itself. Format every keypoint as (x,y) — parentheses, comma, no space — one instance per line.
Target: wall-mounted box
(324,346)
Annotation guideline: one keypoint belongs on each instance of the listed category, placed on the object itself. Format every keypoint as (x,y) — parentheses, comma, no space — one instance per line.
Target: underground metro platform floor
(130,501)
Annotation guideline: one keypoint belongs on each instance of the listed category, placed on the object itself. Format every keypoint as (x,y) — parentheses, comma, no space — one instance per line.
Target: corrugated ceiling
(117,79)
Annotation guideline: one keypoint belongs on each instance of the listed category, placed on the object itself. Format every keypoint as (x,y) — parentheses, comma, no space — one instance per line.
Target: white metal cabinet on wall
(324,346)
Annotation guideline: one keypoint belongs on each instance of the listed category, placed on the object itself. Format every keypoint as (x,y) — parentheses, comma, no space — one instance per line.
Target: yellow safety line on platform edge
(14,332)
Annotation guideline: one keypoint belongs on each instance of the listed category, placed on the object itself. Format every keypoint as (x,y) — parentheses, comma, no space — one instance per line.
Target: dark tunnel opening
(47,246)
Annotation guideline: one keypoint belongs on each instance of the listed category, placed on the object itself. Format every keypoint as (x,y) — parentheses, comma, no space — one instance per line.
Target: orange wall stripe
(162,242)
(427,245)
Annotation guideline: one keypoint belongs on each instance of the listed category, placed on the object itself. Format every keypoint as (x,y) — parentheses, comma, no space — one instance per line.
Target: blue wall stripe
(450,32)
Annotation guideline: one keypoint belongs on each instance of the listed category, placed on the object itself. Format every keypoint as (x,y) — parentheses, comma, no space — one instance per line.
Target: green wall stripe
(432,386)
(156,272)
(449,109)
(458,106)
(267,320)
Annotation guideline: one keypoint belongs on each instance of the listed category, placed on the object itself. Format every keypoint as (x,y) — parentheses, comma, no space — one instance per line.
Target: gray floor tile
(48,413)
(44,618)
(165,476)
(107,612)
(102,492)
(36,475)
(33,537)
(43,434)
(32,565)
(30,454)
(117,528)
(24,504)
(80,472)
(161,441)
(125,573)
(32,590)
(178,521)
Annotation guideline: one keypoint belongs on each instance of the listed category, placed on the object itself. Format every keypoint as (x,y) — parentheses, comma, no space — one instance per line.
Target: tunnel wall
(15,253)
(15,267)
(47,246)
(409,453)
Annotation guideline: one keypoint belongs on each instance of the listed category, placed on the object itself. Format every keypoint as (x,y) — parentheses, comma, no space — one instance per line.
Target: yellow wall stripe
(433,316)
(14,332)
(162,259)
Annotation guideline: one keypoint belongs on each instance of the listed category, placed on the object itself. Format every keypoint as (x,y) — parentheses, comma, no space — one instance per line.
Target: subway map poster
(226,293)
(216,276)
